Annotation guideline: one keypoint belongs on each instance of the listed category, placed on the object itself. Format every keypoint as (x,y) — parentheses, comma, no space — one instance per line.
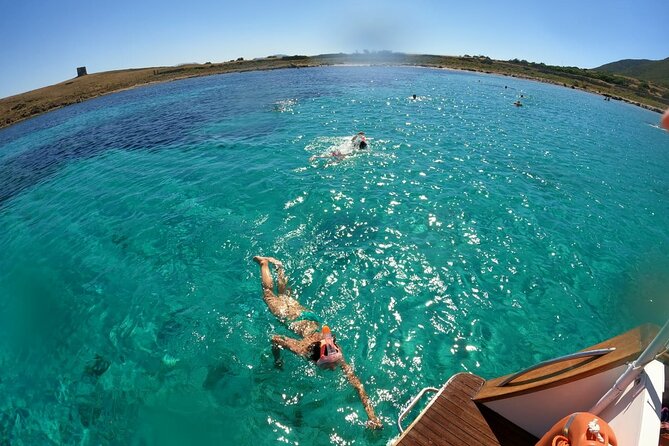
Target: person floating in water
(358,142)
(518,104)
(317,342)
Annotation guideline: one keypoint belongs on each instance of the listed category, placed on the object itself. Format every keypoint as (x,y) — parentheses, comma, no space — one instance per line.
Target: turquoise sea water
(473,236)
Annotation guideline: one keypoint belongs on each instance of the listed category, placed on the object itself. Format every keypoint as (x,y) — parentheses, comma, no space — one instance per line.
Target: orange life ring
(576,430)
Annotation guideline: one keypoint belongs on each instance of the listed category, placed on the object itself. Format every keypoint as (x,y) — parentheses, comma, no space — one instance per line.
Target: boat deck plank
(454,419)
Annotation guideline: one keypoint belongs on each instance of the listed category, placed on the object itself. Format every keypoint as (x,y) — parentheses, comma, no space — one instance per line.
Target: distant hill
(650,70)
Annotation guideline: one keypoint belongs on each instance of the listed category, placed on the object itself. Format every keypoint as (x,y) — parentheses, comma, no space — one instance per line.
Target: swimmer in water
(317,342)
(358,142)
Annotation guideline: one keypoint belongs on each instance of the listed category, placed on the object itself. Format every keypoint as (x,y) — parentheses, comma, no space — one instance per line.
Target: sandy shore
(26,105)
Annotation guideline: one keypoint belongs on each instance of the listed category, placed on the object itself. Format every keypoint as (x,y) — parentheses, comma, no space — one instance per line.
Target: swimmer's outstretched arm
(299,347)
(374,422)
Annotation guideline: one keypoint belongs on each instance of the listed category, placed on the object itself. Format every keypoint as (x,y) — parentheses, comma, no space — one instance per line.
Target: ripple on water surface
(473,235)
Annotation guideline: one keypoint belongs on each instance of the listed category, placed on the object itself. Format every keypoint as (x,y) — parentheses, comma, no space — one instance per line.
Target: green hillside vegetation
(656,71)
(645,93)
(640,92)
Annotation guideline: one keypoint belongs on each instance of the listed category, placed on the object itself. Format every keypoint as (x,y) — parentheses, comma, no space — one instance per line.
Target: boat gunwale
(628,347)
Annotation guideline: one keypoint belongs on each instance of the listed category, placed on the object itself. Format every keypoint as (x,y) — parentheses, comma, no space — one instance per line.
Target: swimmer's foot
(262,260)
(276,262)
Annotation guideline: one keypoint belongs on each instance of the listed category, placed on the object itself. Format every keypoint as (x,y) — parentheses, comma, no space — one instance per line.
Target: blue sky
(42,42)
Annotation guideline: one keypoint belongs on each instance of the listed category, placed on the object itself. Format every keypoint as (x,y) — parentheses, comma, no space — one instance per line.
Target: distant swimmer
(414,97)
(518,104)
(316,342)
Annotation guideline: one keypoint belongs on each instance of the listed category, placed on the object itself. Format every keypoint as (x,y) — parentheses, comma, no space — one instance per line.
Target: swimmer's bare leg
(265,275)
(280,279)
(284,307)
(281,306)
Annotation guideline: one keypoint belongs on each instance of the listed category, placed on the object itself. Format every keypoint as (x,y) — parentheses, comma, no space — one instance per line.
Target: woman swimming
(317,343)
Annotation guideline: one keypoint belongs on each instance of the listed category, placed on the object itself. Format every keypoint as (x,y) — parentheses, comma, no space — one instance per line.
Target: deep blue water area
(473,235)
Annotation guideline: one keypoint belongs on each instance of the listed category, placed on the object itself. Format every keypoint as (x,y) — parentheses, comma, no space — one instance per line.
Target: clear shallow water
(473,236)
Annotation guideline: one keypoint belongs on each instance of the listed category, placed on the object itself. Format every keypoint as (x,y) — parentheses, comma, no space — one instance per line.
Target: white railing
(655,348)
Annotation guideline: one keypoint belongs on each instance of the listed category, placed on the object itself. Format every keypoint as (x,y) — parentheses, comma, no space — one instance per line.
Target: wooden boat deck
(454,419)
(457,416)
